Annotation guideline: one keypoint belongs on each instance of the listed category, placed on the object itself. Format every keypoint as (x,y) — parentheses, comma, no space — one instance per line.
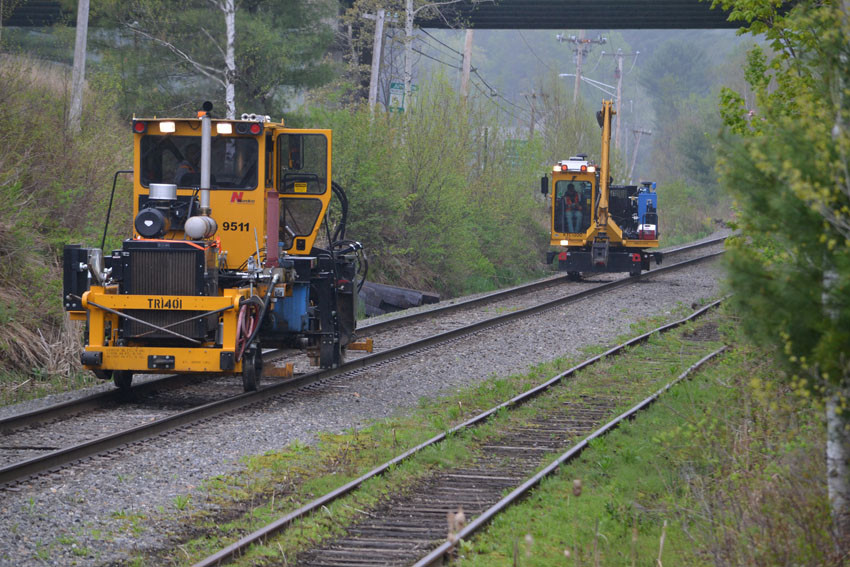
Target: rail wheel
(123,379)
(104,375)
(252,369)
(574,276)
(634,272)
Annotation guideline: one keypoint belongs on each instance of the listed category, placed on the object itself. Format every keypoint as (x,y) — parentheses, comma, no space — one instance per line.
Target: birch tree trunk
(838,470)
(229,9)
(838,436)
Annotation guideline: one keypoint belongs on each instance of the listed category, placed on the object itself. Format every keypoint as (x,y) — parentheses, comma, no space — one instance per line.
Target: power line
(533,52)
(493,98)
(437,49)
(452,49)
(435,59)
(496,93)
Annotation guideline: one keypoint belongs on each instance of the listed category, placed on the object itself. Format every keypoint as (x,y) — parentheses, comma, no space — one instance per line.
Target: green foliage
(785,159)
(685,212)
(280,47)
(433,196)
(674,72)
(678,79)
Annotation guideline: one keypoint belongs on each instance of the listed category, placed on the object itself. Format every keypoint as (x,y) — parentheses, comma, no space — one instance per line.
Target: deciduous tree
(787,162)
(250,50)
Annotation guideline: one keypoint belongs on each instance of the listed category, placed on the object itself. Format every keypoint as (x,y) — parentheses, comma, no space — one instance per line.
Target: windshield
(177,159)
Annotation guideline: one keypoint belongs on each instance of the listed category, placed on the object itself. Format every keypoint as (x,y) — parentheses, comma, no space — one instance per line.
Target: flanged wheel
(252,369)
(574,276)
(105,375)
(123,379)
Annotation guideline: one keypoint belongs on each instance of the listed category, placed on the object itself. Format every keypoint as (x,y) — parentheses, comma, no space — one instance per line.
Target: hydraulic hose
(339,231)
(265,308)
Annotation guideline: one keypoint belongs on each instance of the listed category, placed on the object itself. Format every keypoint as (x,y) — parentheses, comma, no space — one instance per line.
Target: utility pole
(618,74)
(78,76)
(408,50)
(531,98)
(581,47)
(637,133)
(377,46)
(467,64)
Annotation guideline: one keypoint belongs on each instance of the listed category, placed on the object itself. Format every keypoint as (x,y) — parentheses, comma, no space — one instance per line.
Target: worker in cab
(188,170)
(572,209)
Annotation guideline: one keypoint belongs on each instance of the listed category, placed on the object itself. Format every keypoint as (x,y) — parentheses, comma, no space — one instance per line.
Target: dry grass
(53,189)
(761,499)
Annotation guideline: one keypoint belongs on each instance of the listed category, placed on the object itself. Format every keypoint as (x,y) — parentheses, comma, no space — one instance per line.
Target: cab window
(177,159)
(303,160)
(298,217)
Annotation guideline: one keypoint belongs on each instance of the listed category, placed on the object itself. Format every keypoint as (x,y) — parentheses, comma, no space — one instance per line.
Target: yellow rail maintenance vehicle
(600,227)
(227,254)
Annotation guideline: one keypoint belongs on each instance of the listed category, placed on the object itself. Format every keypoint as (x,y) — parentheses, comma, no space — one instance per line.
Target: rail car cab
(599,227)
(632,225)
(226,255)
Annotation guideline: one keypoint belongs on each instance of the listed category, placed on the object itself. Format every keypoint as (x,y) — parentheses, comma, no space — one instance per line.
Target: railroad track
(50,457)
(411,527)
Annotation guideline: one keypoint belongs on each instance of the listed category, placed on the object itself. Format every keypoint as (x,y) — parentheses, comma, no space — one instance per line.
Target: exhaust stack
(204,226)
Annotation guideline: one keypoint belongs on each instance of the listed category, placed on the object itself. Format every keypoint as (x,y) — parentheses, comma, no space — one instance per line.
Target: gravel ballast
(81,515)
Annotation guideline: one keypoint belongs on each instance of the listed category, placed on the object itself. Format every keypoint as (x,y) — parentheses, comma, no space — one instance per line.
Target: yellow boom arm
(604,118)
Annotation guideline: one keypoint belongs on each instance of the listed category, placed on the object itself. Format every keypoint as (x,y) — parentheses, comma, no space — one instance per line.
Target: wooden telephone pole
(467,64)
(532,98)
(618,74)
(377,46)
(581,47)
(637,133)
(78,76)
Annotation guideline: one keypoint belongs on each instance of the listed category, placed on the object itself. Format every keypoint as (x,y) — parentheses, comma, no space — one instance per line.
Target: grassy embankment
(727,465)
(54,189)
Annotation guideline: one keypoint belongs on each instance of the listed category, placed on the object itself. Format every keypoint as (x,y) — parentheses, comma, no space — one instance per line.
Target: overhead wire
(634,60)
(442,52)
(598,61)
(533,52)
(507,111)
(450,48)
(435,59)
(491,95)
(496,93)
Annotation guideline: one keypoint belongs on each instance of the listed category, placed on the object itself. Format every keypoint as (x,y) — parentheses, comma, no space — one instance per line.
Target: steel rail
(101,399)
(484,518)
(56,459)
(517,290)
(282,523)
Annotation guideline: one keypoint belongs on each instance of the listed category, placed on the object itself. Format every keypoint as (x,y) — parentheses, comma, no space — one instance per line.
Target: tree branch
(214,42)
(206,70)
(444,3)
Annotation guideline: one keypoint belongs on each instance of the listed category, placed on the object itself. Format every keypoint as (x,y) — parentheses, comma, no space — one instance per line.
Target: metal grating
(164,272)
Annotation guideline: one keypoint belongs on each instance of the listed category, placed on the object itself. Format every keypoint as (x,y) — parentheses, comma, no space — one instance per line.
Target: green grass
(16,387)
(280,481)
(715,469)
